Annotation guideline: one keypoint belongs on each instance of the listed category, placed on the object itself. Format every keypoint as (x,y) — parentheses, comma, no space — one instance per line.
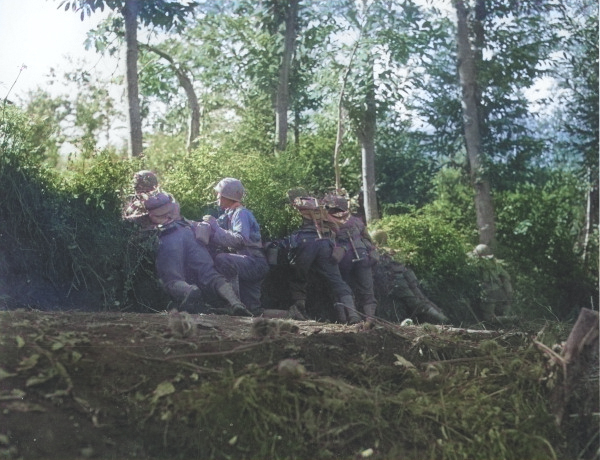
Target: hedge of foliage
(70,220)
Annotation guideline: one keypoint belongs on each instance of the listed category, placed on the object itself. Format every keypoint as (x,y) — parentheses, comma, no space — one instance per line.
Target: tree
(282,96)
(578,78)
(467,70)
(161,13)
(188,87)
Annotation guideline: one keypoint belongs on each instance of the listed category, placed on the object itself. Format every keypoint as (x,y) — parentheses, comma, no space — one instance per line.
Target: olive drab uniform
(360,253)
(402,294)
(184,265)
(312,246)
(145,185)
(495,284)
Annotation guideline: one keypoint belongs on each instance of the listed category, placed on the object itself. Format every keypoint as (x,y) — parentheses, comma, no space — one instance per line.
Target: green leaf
(163,389)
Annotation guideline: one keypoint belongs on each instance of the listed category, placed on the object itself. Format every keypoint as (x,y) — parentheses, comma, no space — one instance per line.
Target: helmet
(158,200)
(379,236)
(145,181)
(339,202)
(230,188)
(162,208)
(482,250)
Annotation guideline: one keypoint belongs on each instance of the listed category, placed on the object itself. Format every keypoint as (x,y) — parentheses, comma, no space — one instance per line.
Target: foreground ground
(152,386)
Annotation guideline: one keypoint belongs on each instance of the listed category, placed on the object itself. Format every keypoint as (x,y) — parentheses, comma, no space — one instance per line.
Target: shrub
(539,227)
(437,254)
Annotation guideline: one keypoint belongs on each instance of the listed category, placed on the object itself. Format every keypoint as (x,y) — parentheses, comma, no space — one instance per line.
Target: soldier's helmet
(230,188)
(334,202)
(158,200)
(482,250)
(380,237)
(145,181)
(162,208)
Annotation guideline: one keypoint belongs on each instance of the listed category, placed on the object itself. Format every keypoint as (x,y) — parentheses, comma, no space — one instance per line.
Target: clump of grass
(477,409)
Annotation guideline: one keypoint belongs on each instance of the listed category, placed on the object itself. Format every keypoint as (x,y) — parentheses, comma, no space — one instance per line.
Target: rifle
(358,258)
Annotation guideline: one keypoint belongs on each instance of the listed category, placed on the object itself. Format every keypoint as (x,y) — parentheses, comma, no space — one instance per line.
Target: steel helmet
(380,236)
(158,200)
(482,250)
(230,188)
(145,181)
(335,202)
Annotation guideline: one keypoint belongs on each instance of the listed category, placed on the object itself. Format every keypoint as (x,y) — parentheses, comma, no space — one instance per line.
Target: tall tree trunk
(366,135)
(188,87)
(283,96)
(130,12)
(340,123)
(470,102)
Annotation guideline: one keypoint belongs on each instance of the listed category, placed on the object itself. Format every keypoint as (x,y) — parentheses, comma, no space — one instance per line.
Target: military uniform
(184,264)
(239,232)
(402,296)
(360,255)
(237,240)
(496,288)
(312,248)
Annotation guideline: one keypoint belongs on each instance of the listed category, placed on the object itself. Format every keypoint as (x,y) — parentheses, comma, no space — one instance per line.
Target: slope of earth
(168,386)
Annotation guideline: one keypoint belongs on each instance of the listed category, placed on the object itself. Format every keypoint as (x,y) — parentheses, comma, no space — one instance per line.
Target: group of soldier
(224,256)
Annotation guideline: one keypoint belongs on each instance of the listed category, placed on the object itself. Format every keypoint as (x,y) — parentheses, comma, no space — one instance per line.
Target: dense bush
(539,226)
(69,223)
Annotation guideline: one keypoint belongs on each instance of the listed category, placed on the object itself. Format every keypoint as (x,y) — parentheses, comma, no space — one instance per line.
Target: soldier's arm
(235,238)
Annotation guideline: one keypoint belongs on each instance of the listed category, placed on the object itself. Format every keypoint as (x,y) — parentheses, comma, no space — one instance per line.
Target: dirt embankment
(152,386)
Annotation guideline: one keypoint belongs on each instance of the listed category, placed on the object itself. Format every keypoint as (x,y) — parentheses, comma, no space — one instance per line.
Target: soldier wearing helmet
(403,297)
(360,253)
(495,284)
(236,239)
(183,264)
(145,181)
(313,247)
(145,185)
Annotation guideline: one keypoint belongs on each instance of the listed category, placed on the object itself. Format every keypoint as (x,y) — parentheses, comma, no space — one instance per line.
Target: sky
(36,36)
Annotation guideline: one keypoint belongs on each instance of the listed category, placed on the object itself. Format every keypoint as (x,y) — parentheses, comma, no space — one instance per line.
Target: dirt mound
(114,385)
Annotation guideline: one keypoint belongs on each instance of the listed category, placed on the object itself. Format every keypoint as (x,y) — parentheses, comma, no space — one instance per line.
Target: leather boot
(340,309)
(369,310)
(351,313)
(188,295)
(226,291)
(298,310)
(431,312)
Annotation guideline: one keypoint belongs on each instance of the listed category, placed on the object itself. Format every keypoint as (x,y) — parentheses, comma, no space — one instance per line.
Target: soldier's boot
(431,311)
(227,292)
(190,296)
(351,313)
(298,310)
(369,310)
(340,310)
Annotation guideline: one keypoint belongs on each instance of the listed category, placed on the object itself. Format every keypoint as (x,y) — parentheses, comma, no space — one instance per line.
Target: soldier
(236,237)
(145,185)
(496,287)
(183,264)
(360,253)
(312,246)
(400,292)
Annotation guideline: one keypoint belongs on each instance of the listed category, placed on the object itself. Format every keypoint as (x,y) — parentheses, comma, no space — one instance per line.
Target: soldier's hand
(212,220)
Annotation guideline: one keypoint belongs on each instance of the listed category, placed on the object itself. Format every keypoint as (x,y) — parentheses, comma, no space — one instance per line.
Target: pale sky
(36,34)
